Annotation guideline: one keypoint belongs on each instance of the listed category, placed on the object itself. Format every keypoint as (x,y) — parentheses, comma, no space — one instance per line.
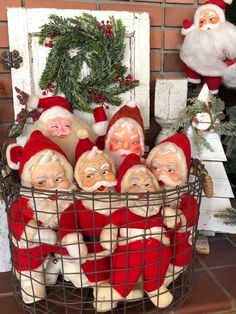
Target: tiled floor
(214,284)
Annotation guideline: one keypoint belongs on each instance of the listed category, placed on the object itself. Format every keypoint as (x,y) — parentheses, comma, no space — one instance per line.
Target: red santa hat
(101,122)
(129,112)
(51,107)
(131,162)
(217,6)
(182,143)
(24,158)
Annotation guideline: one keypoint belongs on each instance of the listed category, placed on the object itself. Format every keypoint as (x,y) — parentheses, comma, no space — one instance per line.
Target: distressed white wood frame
(24,26)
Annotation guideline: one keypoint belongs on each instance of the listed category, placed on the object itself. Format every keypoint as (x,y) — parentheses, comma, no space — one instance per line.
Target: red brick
(3,135)
(4,36)
(172,63)
(148,0)
(174,16)
(155,11)
(6,112)
(59,4)
(6,85)
(181,1)
(155,61)
(173,38)
(7,4)
(155,37)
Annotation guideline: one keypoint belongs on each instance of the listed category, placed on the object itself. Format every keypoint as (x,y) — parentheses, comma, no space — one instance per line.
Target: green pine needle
(83,42)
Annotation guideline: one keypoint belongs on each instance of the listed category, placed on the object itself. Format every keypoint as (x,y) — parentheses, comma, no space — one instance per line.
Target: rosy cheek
(114,147)
(54,132)
(110,176)
(136,149)
(175,176)
(88,182)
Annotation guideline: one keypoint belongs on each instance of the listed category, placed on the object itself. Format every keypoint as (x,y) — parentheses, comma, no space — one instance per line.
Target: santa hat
(182,143)
(24,158)
(130,162)
(51,107)
(187,27)
(128,112)
(101,123)
(217,6)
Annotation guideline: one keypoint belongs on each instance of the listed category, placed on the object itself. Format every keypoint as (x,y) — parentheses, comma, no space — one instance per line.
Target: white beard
(48,212)
(102,203)
(144,207)
(205,51)
(117,157)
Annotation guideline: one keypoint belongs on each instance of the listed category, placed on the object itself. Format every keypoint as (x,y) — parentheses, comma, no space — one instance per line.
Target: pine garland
(81,42)
(215,107)
(228,217)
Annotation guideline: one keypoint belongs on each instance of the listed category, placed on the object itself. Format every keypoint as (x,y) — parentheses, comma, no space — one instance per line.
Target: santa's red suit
(180,237)
(90,223)
(142,250)
(29,254)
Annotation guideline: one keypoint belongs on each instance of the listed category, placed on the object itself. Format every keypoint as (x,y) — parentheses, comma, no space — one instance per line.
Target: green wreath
(79,41)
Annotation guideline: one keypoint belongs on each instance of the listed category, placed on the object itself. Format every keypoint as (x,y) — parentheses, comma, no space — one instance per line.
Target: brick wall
(165,18)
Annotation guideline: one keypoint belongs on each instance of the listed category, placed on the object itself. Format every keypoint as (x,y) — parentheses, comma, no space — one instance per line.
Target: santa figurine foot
(161,297)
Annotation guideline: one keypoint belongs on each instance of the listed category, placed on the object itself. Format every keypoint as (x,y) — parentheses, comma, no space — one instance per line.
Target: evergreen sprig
(215,107)
(85,43)
(228,217)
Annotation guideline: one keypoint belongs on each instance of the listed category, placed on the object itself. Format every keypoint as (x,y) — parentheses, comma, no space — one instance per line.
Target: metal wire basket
(66,280)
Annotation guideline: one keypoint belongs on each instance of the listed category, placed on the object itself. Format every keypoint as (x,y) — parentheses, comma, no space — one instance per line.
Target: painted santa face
(125,141)
(139,181)
(59,127)
(50,176)
(96,174)
(209,19)
(168,169)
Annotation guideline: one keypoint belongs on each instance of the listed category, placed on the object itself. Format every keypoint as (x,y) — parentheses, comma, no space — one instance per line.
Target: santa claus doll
(170,163)
(142,242)
(57,122)
(35,215)
(209,47)
(94,172)
(122,135)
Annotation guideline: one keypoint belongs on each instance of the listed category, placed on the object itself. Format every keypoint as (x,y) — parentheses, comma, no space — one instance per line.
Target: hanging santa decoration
(209,47)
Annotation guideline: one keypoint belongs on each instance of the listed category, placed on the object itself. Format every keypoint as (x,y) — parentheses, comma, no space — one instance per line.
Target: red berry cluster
(106,28)
(49,89)
(97,96)
(127,81)
(34,115)
(49,43)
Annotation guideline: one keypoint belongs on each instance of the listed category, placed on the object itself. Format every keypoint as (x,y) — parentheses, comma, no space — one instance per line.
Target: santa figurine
(209,47)
(57,122)
(122,135)
(170,163)
(35,215)
(94,172)
(142,249)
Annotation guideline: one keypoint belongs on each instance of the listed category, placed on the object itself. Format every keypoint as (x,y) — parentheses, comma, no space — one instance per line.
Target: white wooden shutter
(24,26)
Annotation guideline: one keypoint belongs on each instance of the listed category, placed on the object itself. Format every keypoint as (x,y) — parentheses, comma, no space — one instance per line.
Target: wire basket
(46,279)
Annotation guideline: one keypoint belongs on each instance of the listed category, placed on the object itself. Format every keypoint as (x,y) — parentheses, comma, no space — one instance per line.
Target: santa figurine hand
(170,218)
(108,237)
